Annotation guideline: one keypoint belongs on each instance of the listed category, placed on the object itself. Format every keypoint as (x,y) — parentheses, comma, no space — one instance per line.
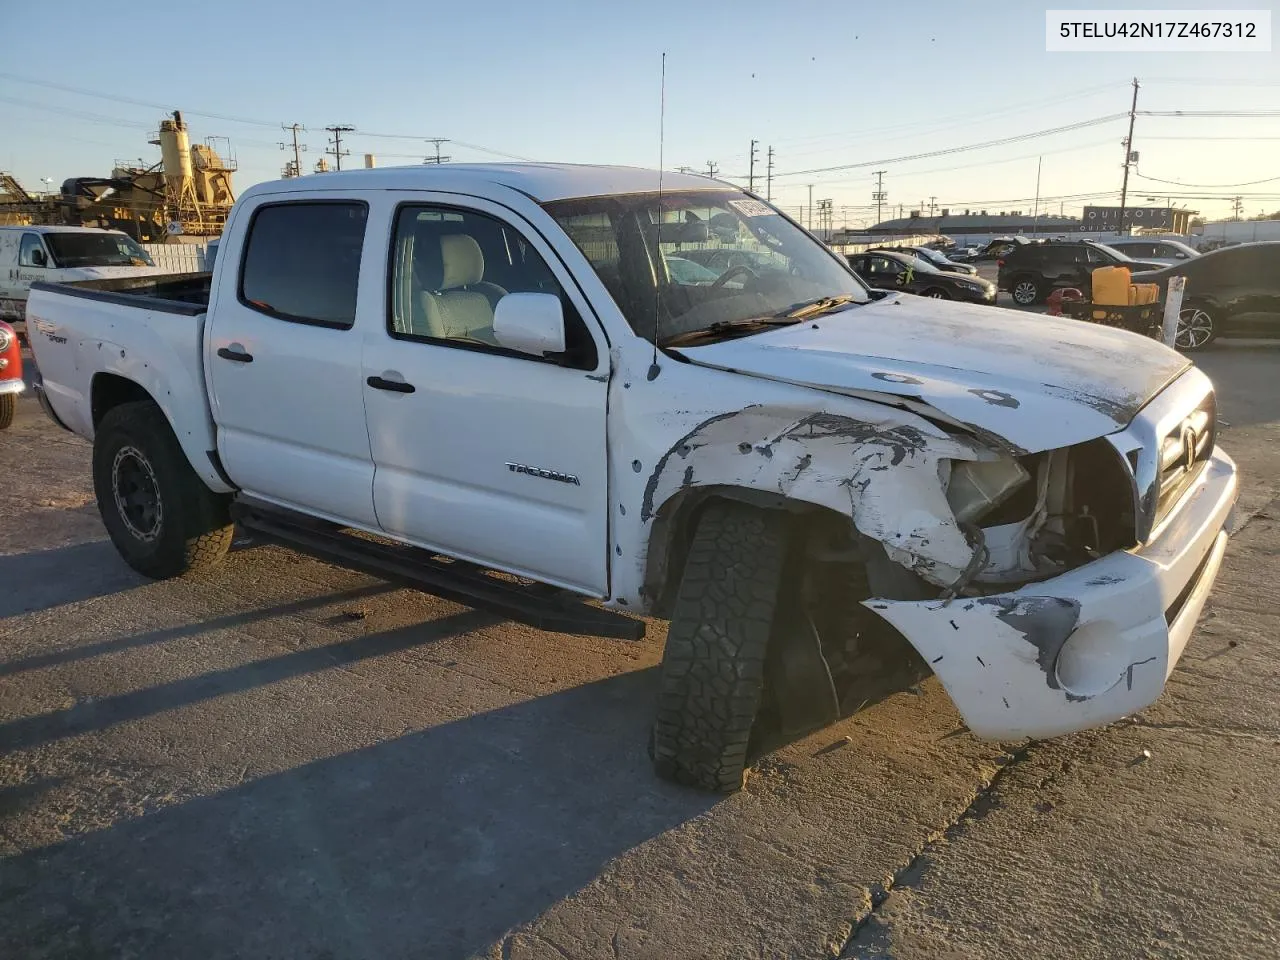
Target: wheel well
(674,525)
(109,391)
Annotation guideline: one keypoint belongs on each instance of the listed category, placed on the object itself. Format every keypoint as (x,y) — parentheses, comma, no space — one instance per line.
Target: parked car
(1030,272)
(1233,291)
(997,248)
(487,368)
(11,382)
(1153,251)
(938,259)
(54,254)
(887,270)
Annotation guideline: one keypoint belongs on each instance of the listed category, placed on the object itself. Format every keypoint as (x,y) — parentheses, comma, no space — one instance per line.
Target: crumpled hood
(1039,382)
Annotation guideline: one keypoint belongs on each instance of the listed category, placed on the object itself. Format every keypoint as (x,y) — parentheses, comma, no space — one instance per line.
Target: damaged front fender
(885,472)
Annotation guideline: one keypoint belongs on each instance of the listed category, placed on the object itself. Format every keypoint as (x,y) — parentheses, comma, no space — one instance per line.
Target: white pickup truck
(491,382)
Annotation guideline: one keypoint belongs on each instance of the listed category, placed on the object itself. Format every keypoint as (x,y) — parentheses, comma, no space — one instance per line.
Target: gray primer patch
(1045,623)
(898,378)
(636,466)
(997,397)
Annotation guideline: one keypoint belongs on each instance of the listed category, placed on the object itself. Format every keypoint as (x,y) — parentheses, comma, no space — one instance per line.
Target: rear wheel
(1197,328)
(1026,291)
(159,514)
(8,404)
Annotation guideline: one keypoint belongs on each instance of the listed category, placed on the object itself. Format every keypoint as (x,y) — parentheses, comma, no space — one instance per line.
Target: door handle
(235,355)
(395,386)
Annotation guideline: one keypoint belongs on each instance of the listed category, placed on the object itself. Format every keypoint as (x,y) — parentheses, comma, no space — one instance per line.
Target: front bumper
(1089,646)
(13,385)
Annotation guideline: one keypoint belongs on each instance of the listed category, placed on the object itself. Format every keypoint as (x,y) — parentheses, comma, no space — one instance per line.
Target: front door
(481,452)
(284,369)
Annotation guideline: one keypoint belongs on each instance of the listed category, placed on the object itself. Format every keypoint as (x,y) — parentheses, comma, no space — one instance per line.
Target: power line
(961,149)
(1195,114)
(1209,186)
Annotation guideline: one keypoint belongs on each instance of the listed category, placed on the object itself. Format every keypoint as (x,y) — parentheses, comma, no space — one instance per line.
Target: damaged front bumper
(1084,648)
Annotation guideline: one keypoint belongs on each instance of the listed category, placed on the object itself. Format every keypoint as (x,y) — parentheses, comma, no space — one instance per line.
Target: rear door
(284,360)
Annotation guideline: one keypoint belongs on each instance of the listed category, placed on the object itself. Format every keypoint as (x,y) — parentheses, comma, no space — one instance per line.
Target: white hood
(1039,382)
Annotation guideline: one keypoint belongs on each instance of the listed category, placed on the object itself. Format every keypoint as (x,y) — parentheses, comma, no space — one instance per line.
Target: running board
(536,604)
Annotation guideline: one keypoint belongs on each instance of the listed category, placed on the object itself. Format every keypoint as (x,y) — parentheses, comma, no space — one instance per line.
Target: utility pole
(751,168)
(768,181)
(933,205)
(712,168)
(437,159)
(878,195)
(1237,207)
(1035,216)
(293,168)
(337,152)
(1128,154)
(810,221)
(686,170)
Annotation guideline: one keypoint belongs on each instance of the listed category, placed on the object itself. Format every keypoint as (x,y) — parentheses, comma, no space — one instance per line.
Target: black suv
(1032,270)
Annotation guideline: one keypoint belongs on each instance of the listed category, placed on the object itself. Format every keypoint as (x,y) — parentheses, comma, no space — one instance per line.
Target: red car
(10,373)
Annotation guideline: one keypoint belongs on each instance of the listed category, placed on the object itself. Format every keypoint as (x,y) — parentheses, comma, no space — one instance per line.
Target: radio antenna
(654,369)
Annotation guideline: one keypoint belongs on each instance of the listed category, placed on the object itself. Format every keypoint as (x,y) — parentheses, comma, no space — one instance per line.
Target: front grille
(1184,450)
(1167,446)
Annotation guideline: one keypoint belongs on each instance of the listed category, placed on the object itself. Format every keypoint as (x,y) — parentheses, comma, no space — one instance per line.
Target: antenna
(654,369)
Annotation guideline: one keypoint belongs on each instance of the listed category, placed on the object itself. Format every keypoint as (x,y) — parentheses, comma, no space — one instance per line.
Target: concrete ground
(289,760)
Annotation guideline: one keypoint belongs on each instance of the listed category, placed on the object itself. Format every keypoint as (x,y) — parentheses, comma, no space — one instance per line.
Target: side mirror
(38,258)
(532,323)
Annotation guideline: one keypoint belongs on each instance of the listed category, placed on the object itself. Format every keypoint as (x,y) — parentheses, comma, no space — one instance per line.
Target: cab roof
(541,181)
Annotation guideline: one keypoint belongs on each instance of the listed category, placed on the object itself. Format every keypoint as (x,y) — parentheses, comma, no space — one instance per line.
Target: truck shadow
(431,845)
(42,579)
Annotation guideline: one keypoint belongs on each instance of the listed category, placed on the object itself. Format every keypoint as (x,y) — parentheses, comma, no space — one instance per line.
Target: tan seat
(462,306)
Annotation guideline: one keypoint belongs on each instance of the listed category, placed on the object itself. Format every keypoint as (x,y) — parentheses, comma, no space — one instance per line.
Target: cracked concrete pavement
(287,759)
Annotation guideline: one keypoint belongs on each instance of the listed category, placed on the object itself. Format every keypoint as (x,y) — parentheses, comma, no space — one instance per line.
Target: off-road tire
(8,404)
(714,663)
(194,529)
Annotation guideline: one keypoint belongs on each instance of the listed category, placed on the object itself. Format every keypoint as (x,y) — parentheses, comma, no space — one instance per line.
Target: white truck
(43,254)
(486,381)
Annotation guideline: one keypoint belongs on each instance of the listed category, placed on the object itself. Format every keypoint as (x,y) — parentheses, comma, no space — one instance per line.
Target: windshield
(933,256)
(96,250)
(719,258)
(918,264)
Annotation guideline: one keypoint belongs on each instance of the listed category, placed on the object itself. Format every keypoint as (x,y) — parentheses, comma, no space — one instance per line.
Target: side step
(536,604)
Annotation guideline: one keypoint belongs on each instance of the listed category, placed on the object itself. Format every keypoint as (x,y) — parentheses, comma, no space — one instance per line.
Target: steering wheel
(732,272)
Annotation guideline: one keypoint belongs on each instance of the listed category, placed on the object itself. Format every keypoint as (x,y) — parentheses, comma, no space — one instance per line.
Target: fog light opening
(1091,661)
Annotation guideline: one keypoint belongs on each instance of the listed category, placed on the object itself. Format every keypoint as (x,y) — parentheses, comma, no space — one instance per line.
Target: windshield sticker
(752,208)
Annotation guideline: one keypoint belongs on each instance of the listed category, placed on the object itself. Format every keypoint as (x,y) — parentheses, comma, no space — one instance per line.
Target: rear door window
(302,262)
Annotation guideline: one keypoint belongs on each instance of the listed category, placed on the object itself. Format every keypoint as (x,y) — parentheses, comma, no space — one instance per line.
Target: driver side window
(31,253)
(884,267)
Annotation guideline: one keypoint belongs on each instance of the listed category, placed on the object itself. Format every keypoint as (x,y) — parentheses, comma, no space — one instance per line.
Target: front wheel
(1196,329)
(159,514)
(8,404)
(937,293)
(714,663)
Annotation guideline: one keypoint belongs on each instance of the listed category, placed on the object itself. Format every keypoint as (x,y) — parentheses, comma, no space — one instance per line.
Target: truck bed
(185,293)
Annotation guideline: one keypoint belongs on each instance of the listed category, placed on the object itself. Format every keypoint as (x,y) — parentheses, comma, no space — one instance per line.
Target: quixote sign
(1101,218)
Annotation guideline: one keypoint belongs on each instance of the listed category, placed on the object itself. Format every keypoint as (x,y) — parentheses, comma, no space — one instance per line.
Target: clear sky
(827,84)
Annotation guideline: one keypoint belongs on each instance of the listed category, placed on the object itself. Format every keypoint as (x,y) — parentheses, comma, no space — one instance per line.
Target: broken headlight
(977,487)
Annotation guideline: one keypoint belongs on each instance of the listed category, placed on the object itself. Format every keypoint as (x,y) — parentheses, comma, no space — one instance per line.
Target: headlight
(6,339)
(977,487)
